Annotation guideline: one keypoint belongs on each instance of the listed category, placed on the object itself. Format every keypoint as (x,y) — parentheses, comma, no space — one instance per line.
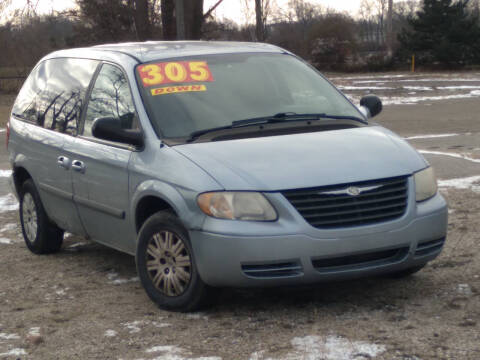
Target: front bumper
(316,256)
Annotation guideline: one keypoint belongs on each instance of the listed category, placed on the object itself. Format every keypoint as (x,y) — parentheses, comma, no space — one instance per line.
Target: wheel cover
(168,263)
(29,216)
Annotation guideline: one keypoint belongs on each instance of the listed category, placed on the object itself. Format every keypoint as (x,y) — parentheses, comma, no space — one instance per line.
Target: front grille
(360,261)
(429,248)
(332,207)
(273,270)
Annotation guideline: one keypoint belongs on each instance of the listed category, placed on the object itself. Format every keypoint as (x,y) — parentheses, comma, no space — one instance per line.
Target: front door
(100,168)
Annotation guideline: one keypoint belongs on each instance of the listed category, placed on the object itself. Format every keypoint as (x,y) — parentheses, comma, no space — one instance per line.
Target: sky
(231,9)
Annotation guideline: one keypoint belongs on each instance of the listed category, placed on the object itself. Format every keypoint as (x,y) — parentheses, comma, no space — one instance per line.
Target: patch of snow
(472,182)
(464,289)
(124,281)
(61,292)
(418,88)
(167,348)
(5,173)
(455,155)
(78,244)
(8,227)
(431,136)
(414,100)
(422,80)
(464,87)
(196,316)
(257,355)
(160,325)
(5,241)
(134,326)
(342,87)
(8,203)
(34,331)
(113,277)
(5,336)
(14,352)
(369,77)
(169,352)
(110,333)
(329,348)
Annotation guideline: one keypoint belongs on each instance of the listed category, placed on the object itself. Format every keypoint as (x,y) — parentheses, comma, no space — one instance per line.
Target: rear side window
(53,94)
(111,97)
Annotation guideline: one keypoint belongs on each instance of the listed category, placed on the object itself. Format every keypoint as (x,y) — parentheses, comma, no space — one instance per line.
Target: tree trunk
(181,19)
(193,10)
(168,19)
(390,28)
(259,31)
(142,20)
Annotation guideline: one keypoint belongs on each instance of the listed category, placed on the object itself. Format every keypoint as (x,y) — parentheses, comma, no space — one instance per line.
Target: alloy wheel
(29,215)
(169,263)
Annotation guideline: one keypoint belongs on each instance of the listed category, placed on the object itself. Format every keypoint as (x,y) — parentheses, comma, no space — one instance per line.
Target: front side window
(110,97)
(53,94)
(192,94)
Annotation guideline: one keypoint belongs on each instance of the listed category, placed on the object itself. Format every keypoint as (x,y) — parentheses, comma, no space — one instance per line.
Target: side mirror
(109,128)
(373,104)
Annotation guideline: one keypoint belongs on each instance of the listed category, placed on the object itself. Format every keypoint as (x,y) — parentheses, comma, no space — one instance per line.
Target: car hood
(305,160)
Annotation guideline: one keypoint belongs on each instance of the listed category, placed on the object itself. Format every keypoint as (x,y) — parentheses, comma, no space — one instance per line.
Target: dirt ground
(86,302)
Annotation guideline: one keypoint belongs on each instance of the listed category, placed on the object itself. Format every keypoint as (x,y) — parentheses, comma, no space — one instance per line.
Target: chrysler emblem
(353,191)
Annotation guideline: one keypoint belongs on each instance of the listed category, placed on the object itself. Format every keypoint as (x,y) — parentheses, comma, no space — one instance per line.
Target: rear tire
(40,234)
(166,264)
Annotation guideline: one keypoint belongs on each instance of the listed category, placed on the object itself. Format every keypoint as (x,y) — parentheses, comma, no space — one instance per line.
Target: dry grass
(6,102)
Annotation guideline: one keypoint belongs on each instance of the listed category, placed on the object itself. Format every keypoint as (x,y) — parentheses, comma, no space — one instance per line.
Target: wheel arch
(20,174)
(153,196)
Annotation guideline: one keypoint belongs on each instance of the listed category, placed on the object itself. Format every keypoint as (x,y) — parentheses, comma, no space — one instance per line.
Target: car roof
(156,50)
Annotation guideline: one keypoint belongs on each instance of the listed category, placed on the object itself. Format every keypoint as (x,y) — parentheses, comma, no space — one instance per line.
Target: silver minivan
(217,164)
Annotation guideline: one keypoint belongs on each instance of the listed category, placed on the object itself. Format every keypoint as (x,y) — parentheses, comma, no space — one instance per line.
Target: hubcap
(168,263)
(29,215)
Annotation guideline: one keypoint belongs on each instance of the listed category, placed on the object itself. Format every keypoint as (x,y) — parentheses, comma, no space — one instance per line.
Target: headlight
(425,184)
(249,206)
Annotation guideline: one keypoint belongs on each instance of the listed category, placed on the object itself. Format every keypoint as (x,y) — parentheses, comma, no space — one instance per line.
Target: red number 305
(174,72)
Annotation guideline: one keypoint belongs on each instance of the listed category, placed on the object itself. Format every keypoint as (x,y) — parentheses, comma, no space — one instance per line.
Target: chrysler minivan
(217,164)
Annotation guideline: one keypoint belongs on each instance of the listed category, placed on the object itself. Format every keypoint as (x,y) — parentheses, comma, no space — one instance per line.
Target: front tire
(40,234)
(166,264)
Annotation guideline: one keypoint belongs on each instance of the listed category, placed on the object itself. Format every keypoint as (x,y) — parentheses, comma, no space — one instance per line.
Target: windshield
(184,96)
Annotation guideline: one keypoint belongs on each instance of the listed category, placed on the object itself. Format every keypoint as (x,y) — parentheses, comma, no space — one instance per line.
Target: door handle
(63,161)
(78,165)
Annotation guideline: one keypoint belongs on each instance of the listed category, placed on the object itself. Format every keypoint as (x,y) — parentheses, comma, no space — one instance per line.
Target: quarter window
(53,94)
(110,97)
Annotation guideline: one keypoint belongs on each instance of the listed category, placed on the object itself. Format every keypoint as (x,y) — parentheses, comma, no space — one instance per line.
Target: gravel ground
(87,303)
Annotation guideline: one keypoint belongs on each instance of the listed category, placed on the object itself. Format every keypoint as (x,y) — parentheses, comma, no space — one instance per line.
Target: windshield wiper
(196,134)
(277,118)
(285,117)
